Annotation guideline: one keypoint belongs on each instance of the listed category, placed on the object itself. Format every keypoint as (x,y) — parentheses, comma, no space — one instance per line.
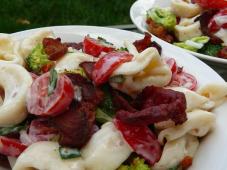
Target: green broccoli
(163,17)
(37,59)
(210,49)
(193,44)
(137,164)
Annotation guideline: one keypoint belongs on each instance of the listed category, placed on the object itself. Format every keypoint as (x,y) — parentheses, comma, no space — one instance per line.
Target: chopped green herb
(107,104)
(69,153)
(7,130)
(117,79)
(79,71)
(53,81)
(102,117)
(103,40)
(122,49)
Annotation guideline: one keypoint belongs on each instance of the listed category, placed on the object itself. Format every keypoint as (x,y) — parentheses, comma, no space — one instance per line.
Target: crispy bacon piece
(54,48)
(156,104)
(4,162)
(77,46)
(121,103)
(223,53)
(89,92)
(76,124)
(186,162)
(159,31)
(88,68)
(146,42)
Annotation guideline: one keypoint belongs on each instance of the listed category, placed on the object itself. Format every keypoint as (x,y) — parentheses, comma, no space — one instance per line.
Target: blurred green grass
(16,15)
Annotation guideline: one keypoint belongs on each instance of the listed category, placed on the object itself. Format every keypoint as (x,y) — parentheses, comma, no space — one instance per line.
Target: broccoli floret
(210,49)
(163,17)
(37,59)
(137,164)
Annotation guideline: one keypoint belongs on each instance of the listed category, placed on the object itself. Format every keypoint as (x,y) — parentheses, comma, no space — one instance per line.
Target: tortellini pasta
(184,8)
(199,123)
(194,100)
(145,69)
(15,81)
(71,61)
(175,151)
(214,92)
(187,32)
(28,44)
(45,155)
(9,50)
(106,150)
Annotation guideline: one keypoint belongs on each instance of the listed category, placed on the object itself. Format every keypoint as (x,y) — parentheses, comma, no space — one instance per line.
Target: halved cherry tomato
(94,47)
(42,104)
(11,147)
(183,79)
(106,65)
(213,25)
(172,64)
(212,4)
(141,139)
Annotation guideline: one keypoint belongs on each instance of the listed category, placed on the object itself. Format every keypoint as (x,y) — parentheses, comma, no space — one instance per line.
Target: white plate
(212,153)
(138,17)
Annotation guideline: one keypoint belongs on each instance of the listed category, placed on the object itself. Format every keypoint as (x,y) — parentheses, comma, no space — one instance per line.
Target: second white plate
(138,17)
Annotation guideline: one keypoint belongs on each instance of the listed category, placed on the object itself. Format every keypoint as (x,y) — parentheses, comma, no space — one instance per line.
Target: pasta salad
(91,106)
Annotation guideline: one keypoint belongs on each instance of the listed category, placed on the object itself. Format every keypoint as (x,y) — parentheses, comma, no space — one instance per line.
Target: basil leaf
(102,117)
(69,153)
(117,79)
(7,130)
(53,81)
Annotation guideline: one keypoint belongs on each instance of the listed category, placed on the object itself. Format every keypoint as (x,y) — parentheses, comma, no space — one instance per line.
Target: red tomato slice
(42,104)
(94,47)
(11,147)
(106,65)
(183,79)
(172,64)
(213,26)
(142,140)
(212,4)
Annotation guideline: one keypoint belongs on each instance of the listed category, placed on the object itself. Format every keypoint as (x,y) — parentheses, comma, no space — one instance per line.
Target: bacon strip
(156,104)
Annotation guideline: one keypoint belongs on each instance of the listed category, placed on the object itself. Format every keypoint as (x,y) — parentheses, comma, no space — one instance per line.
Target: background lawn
(16,15)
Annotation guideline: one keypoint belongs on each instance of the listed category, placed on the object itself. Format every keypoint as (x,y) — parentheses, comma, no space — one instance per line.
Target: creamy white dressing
(222,34)
(220,20)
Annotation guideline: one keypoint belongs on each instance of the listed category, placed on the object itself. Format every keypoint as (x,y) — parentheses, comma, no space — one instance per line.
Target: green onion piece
(7,130)
(53,81)
(122,49)
(69,153)
(79,71)
(102,117)
(104,41)
(117,79)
